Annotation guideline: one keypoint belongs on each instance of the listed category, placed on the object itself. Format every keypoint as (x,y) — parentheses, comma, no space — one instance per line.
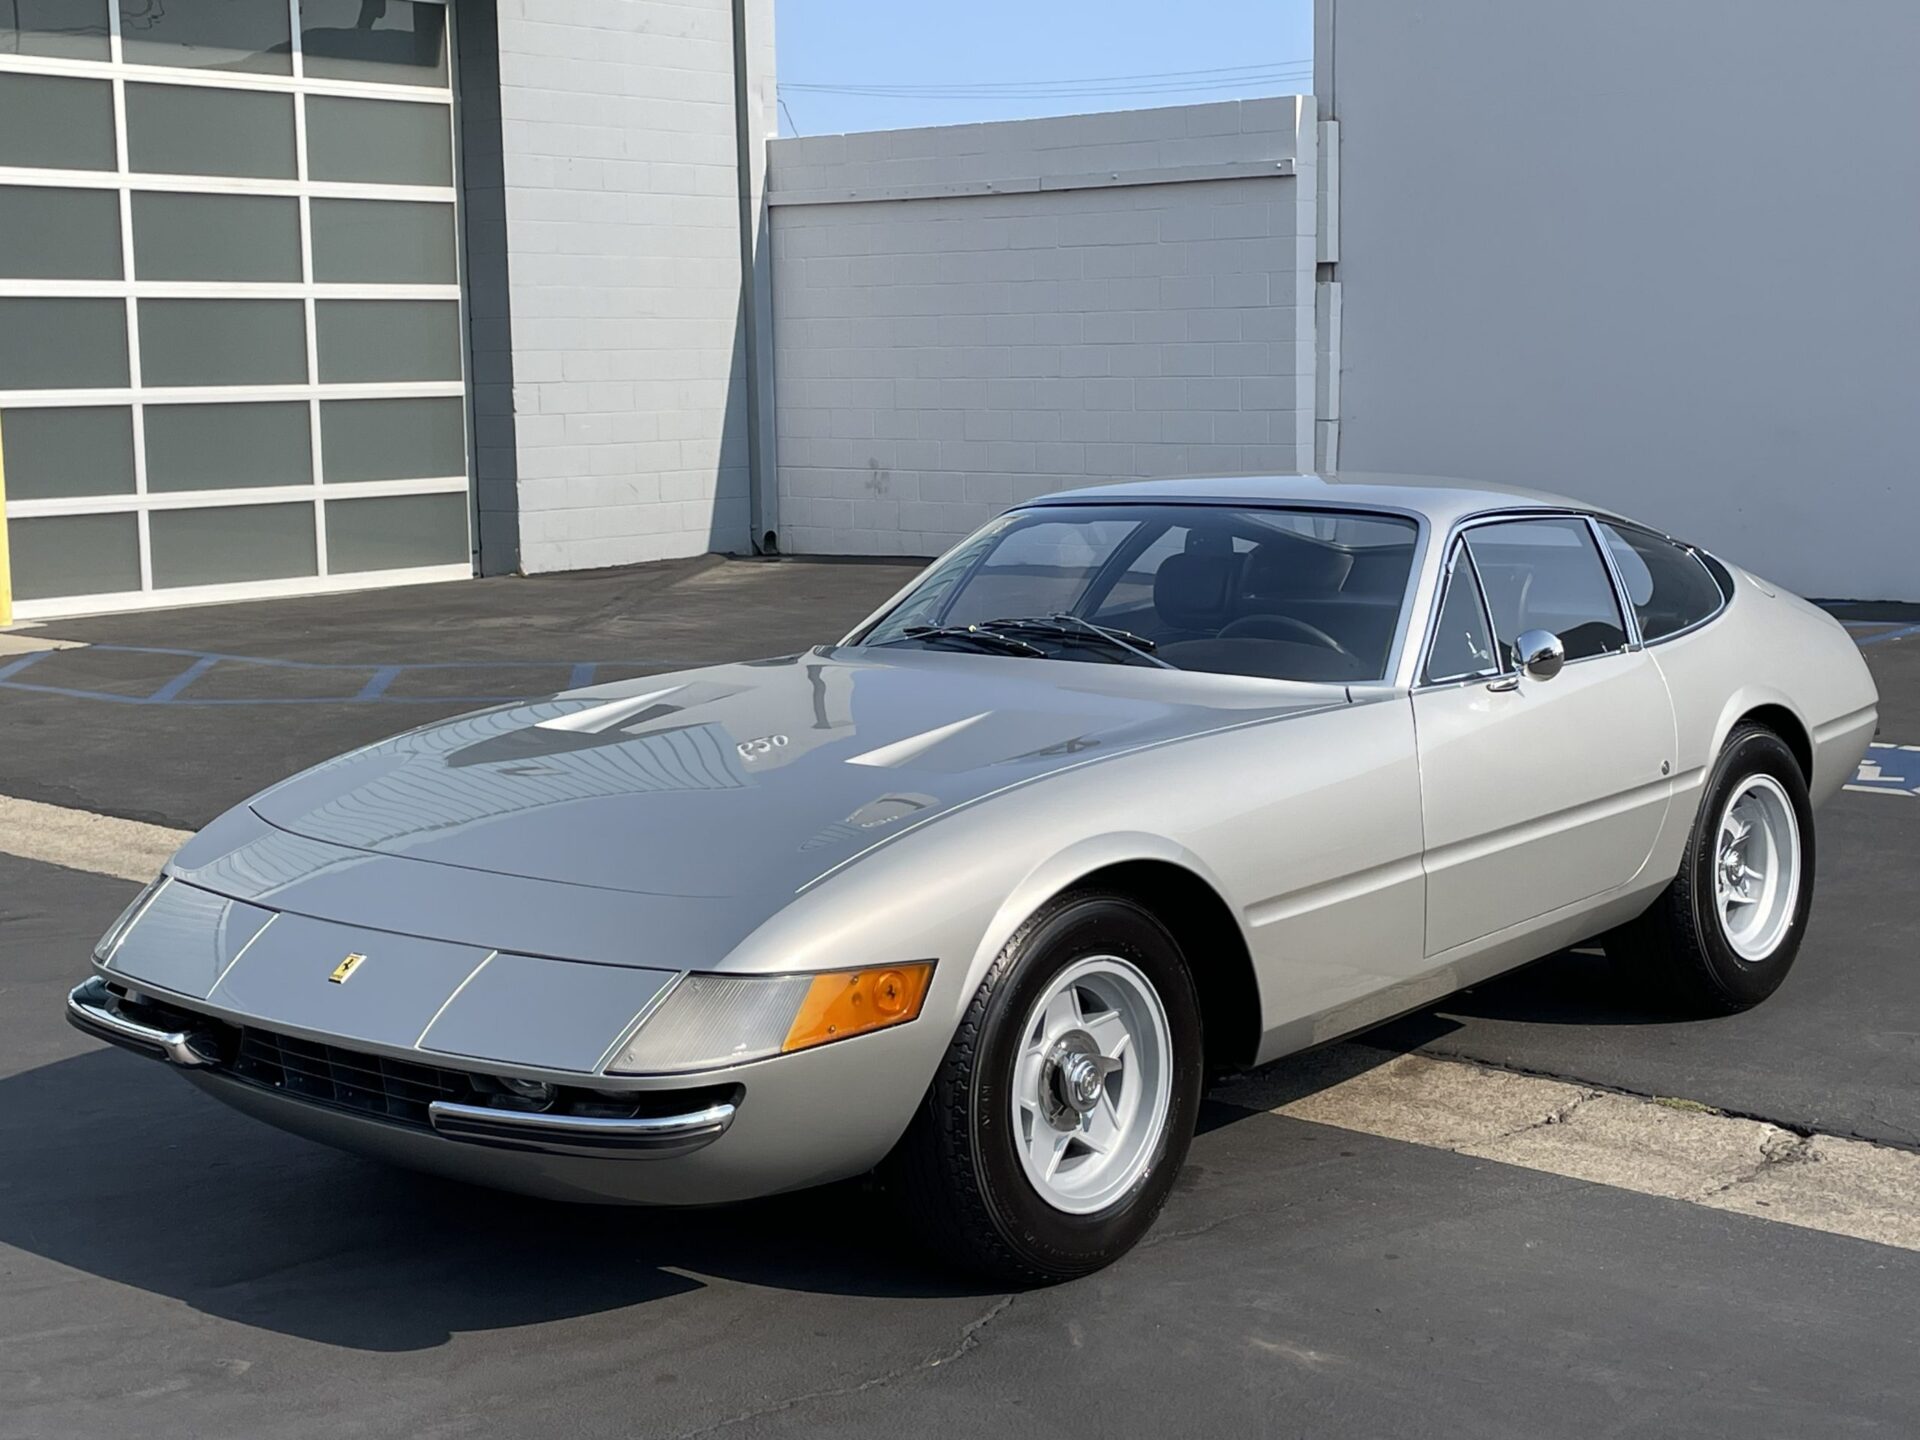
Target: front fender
(1065,869)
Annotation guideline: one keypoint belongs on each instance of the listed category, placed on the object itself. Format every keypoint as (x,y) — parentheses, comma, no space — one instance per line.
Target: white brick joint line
(1027,185)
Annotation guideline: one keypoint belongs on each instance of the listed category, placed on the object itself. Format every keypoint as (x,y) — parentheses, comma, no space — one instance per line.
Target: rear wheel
(1724,934)
(1059,1119)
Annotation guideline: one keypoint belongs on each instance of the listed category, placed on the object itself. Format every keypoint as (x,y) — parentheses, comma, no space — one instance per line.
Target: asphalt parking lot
(168,1267)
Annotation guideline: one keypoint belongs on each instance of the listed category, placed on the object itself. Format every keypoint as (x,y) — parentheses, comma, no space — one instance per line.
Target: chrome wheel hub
(1756,877)
(1092,1084)
(1073,1078)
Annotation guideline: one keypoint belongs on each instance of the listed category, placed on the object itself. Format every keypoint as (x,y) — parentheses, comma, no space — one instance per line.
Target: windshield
(1287,594)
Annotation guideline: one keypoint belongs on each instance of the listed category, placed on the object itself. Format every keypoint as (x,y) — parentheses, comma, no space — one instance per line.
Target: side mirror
(1540,654)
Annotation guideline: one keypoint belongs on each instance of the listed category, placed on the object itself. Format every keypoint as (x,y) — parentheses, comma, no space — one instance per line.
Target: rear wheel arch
(1788,726)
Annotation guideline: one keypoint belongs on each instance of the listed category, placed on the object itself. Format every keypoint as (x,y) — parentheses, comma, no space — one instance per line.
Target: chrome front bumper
(94,1008)
(656,1135)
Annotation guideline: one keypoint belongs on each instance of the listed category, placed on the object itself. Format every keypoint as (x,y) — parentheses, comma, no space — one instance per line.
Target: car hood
(725,781)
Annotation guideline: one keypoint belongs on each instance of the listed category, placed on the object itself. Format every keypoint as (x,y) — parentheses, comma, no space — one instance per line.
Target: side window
(1547,575)
(1462,644)
(1668,586)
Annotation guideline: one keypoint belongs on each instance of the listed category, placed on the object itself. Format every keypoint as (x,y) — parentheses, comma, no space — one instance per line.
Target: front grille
(397,1090)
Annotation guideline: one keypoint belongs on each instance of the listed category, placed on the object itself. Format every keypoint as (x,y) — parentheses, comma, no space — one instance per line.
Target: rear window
(1669,586)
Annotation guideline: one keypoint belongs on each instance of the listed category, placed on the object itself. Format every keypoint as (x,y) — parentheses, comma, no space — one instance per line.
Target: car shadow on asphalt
(115,1168)
(1579,987)
(1575,987)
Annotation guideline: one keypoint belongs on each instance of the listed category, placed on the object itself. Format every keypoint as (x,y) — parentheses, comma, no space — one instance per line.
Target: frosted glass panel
(215,237)
(62,344)
(394,242)
(48,234)
(216,447)
(393,439)
(372,340)
(185,130)
(74,555)
(56,29)
(207,35)
(398,43)
(241,542)
(223,342)
(382,142)
(396,533)
(59,452)
(181,260)
(55,123)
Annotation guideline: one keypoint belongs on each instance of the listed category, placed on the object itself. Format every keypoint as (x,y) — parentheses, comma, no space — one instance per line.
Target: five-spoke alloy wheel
(1724,934)
(1055,1128)
(1756,876)
(1092,1084)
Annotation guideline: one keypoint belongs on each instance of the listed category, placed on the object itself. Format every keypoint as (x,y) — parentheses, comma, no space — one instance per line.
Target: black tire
(956,1170)
(1678,944)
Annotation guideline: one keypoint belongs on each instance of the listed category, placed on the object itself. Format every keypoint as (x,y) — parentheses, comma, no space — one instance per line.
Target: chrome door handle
(1504,684)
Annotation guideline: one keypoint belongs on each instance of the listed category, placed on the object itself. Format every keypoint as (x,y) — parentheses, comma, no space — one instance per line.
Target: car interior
(1283,594)
(1547,575)
(1250,598)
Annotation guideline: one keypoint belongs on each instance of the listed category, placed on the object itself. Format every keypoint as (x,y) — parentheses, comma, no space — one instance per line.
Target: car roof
(1442,500)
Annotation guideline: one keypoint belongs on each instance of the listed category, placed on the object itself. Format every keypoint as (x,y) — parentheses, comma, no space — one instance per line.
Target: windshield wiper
(972,636)
(1062,626)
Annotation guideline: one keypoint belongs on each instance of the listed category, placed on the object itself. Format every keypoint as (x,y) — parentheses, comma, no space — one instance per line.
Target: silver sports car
(1137,785)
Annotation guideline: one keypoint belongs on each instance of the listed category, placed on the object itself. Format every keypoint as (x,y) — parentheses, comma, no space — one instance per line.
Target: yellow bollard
(6,566)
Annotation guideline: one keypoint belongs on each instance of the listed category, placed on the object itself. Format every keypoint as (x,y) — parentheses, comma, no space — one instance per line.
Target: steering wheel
(1263,627)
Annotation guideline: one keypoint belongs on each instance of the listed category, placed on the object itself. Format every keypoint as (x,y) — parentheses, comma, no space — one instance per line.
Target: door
(1535,794)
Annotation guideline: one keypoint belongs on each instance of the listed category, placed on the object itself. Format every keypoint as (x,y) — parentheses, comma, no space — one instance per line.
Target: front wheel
(1724,934)
(1058,1121)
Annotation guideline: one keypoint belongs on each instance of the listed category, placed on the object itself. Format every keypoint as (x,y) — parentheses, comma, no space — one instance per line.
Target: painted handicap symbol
(1889,770)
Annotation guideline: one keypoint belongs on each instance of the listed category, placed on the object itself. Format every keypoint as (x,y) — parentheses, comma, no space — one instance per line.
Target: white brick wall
(941,356)
(622,216)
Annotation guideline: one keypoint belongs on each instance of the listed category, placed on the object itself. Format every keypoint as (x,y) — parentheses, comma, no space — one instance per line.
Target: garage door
(230,324)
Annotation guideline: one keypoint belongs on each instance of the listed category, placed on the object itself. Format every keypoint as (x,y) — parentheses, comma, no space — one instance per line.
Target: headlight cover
(708,1021)
(104,947)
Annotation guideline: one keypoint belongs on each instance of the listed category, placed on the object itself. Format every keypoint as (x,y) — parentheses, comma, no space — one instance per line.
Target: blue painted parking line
(376,686)
(1881,631)
(1889,770)
(374,689)
(186,677)
(14,667)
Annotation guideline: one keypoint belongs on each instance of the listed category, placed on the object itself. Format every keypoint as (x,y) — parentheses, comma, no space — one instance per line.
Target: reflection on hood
(705,782)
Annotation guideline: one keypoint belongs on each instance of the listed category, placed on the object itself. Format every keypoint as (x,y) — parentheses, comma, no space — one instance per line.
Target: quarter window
(1547,575)
(1669,588)
(1462,644)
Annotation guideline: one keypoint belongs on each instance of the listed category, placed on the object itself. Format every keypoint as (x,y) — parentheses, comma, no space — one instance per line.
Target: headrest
(1506,589)
(1288,568)
(1192,590)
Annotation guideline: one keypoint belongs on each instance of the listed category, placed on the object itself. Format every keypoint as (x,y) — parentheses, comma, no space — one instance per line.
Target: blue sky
(1018,58)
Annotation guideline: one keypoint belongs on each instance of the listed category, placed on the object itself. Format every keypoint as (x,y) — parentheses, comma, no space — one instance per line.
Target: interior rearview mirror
(1540,654)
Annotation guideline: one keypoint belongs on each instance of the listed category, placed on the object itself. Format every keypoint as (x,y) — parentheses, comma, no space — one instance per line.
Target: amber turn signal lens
(853,1002)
